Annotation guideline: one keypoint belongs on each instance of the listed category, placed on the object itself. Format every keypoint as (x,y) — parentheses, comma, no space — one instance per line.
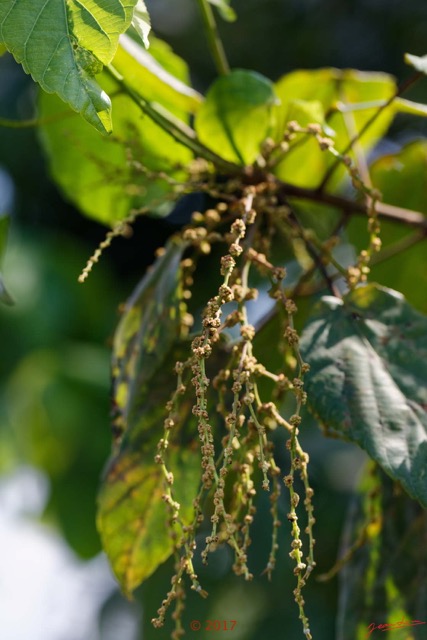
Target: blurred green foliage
(55,377)
(54,370)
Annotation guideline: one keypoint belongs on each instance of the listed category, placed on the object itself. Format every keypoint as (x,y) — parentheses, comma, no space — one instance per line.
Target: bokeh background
(55,347)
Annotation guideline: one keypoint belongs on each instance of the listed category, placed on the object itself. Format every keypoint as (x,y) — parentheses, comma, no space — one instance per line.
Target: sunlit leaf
(132,517)
(304,112)
(141,21)
(237,115)
(63,45)
(305,165)
(418,62)
(97,173)
(402,105)
(159,75)
(400,176)
(397,105)
(368,359)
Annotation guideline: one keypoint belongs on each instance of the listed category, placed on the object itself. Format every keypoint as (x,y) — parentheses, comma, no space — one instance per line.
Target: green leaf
(368,365)
(65,385)
(237,115)
(94,172)
(398,105)
(64,44)
(418,62)
(3,49)
(96,25)
(160,75)
(225,10)
(412,108)
(141,22)
(401,176)
(304,112)
(305,165)
(382,582)
(132,518)
(149,328)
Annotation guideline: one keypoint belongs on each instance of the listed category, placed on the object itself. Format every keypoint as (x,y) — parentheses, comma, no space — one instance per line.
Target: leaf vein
(14,2)
(33,27)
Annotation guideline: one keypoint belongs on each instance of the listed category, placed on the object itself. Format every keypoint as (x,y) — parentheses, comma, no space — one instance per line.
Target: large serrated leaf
(384,581)
(63,44)
(367,382)
(237,115)
(94,171)
(132,518)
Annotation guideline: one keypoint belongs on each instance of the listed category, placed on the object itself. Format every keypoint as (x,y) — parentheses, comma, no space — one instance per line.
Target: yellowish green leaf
(104,177)
(305,165)
(237,115)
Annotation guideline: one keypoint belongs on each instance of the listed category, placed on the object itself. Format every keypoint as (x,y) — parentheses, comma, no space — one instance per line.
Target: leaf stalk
(214,40)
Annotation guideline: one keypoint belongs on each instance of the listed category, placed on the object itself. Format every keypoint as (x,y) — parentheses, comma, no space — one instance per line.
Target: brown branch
(388,211)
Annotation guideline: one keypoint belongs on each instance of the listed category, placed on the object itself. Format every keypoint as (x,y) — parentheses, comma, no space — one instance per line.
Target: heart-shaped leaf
(237,115)
(335,91)
(94,171)
(64,44)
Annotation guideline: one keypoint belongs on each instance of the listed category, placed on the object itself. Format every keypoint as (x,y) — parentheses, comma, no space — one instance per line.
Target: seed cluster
(234,416)
(233,458)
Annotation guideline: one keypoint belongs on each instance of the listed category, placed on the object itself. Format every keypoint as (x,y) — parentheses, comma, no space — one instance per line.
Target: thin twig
(214,40)
(317,259)
(398,247)
(404,86)
(180,131)
(35,122)
(397,214)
